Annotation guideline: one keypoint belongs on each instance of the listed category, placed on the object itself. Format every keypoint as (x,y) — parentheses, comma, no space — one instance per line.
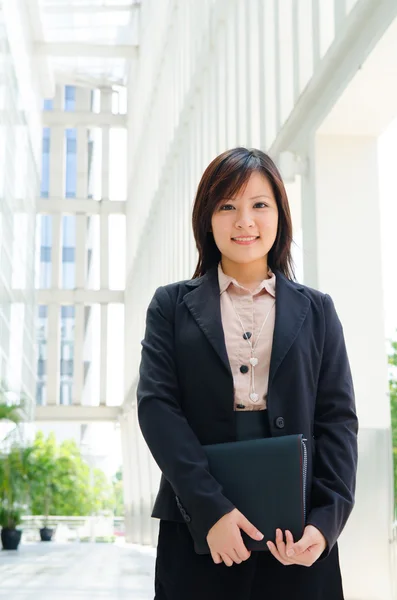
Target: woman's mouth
(245,241)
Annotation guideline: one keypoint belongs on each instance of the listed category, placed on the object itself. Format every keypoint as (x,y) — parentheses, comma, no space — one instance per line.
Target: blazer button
(280,423)
(187,518)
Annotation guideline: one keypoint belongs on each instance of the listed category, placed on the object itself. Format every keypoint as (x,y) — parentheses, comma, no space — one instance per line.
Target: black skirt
(181,574)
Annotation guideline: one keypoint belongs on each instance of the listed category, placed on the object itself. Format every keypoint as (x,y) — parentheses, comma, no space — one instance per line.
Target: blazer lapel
(291,311)
(204,304)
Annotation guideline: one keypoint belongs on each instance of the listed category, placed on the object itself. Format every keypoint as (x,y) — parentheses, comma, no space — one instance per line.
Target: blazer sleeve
(173,444)
(335,433)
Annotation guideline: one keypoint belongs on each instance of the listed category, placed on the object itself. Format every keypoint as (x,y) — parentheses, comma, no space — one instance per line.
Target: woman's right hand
(225,541)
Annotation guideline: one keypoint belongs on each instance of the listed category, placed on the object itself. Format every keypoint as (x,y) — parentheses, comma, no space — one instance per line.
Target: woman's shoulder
(174,290)
(311,293)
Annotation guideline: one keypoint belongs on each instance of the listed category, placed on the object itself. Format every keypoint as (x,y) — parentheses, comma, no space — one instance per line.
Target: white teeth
(246,239)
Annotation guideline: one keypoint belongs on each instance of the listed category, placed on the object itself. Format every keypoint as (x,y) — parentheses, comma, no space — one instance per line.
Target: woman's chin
(244,258)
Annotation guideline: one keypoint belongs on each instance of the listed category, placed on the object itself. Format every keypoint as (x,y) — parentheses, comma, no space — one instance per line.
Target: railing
(96,528)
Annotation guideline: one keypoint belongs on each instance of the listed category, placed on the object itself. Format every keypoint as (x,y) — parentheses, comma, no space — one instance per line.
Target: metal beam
(72,297)
(64,77)
(86,50)
(76,414)
(42,66)
(74,206)
(58,118)
(90,8)
(364,26)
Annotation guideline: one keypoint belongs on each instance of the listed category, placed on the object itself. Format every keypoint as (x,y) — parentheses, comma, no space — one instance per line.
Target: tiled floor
(77,571)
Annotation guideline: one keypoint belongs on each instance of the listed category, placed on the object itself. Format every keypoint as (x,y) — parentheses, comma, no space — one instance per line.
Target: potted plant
(14,484)
(10,518)
(46,473)
(14,459)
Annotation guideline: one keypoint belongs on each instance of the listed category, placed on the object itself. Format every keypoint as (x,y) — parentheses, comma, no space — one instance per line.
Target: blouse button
(247,335)
(244,369)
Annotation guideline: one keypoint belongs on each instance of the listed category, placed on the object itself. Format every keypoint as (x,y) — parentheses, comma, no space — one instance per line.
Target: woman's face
(245,228)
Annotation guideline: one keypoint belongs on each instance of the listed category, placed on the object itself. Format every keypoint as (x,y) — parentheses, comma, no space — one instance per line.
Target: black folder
(265,479)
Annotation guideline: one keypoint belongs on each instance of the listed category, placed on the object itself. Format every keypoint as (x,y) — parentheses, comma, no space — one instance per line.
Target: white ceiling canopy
(89,42)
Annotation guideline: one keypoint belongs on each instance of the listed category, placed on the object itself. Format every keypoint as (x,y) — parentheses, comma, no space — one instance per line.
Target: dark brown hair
(223,178)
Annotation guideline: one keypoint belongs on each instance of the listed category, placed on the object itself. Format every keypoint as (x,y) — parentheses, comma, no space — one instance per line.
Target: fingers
(227,560)
(249,528)
(233,555)
(278,550)
(290,543)
(237,556)
(216,557)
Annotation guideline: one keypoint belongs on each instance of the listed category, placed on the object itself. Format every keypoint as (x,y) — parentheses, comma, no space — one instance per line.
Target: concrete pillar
(342,256)
(106,107)
(127,476)
(103,354)
(83,103)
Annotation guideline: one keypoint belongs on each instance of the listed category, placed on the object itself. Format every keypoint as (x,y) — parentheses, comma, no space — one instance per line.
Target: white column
(135,474)
(309,218)
(54,333)
(104,284)
(82,104)
(103,354)
(342,210)
(78,362)
(81,251)
(56,190)
(126,442)
(106,107)
(53,356)
(56,250)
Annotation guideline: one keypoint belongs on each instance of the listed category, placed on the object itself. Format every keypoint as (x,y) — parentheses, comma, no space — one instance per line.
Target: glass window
(68,254)
(66,393)
(46,230)
(71,163)
(45,163)
(68,251)
(45,254)
(41,337)
(70,97)
(66,353)
(48,104)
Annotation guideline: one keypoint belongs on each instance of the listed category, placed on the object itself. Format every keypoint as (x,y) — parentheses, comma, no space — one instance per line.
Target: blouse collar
(268,284)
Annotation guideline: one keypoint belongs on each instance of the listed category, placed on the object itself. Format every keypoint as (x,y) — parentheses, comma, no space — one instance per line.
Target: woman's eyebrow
(252,198)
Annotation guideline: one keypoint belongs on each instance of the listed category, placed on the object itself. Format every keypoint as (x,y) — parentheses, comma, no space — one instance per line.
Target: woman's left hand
(305,552)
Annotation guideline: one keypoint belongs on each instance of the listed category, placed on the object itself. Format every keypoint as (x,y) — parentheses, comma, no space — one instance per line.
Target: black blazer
(185,399)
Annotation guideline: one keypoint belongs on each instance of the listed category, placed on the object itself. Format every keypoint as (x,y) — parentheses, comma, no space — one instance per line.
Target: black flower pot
(10,538)
(46,534)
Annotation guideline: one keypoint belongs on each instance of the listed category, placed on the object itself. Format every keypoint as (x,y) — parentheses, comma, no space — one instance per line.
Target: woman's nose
(244,220)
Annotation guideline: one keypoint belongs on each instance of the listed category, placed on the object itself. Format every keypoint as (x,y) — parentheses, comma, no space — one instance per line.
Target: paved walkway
(77,571)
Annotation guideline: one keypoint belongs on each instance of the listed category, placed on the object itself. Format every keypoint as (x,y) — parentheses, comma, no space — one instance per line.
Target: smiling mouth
(245,240)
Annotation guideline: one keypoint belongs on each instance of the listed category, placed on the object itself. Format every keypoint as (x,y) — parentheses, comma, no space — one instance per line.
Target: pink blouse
(252,307)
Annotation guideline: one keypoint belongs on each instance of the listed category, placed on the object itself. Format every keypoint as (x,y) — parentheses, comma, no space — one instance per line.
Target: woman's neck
(248,275)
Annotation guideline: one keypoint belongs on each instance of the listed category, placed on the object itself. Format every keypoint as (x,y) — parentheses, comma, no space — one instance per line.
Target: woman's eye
(226,207)
(261,204)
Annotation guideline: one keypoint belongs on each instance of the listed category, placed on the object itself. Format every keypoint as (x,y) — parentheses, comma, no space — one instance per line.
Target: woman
(242,351)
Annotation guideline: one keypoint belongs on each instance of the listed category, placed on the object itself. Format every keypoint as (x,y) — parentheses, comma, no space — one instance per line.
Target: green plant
(14,410)
(62,483)
(49,473)
(10,413)
(14,484)
(118,493)
(10,518)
